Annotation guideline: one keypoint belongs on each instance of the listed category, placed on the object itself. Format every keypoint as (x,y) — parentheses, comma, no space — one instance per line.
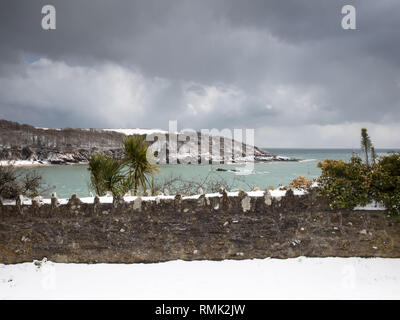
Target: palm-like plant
(366,143)
(113,179)
(95,167)
(106,175)
(373,156)
(139,166)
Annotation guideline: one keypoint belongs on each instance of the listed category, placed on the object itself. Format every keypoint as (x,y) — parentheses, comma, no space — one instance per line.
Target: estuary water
(74,179)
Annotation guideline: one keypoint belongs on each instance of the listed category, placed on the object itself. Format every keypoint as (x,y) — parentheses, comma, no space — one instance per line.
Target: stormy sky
(283,67)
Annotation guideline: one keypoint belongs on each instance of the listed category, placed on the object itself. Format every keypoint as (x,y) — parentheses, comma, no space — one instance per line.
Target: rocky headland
(26,144)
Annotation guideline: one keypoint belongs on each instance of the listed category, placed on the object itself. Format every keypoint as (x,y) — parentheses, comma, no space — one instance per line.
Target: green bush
(386,183)
(353,183)
(346,185)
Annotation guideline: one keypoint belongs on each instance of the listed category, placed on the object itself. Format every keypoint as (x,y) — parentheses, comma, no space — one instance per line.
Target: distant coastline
(26,145)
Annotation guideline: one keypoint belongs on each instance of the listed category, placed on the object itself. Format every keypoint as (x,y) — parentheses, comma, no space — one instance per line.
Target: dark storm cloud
(213,63)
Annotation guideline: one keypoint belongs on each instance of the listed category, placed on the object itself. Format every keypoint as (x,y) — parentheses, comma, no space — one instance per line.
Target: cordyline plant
(140,167)
(106,175)
(366,144)
(120,176)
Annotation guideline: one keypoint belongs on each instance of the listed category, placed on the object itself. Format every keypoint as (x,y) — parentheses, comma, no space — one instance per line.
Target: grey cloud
(212,63)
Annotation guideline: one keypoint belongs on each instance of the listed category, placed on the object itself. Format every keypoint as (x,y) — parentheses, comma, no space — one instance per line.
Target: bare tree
(14,183)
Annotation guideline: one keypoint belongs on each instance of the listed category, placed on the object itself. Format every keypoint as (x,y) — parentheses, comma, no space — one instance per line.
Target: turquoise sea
(67,180)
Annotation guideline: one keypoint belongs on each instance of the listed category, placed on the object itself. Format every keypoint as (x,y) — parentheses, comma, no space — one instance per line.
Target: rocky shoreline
(50,157)
(82,157)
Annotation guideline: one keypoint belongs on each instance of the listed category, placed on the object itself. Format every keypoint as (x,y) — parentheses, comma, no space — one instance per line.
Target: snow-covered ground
(371,206)
(299,278)
(21,163)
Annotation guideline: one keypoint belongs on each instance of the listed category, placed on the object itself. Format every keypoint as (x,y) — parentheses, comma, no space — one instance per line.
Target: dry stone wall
(206,227)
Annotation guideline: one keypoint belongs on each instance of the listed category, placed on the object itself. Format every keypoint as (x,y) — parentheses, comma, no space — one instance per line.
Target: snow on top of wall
(277,193)
(109,199)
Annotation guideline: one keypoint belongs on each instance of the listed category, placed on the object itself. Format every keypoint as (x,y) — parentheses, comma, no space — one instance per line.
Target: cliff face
(60,146)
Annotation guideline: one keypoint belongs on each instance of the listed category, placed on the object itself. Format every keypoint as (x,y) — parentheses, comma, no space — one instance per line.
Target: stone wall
(212,227)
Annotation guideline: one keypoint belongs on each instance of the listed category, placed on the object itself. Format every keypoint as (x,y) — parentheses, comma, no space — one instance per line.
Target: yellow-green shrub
(386,183)
(345,184)
(348,184)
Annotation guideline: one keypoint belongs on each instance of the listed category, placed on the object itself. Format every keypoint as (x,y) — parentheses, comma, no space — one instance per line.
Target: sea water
(75,179)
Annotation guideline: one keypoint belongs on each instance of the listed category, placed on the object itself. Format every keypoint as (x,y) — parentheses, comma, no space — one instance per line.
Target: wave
(308,160)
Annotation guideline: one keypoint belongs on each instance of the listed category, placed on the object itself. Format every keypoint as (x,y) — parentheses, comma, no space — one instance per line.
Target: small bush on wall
(301,183)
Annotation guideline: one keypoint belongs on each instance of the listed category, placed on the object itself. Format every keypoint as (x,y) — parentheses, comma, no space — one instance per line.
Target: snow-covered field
(299,278)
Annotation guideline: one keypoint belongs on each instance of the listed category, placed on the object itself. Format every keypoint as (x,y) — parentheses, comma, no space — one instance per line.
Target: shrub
(348,184)
(300,182)
(15,182)
(386,183)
